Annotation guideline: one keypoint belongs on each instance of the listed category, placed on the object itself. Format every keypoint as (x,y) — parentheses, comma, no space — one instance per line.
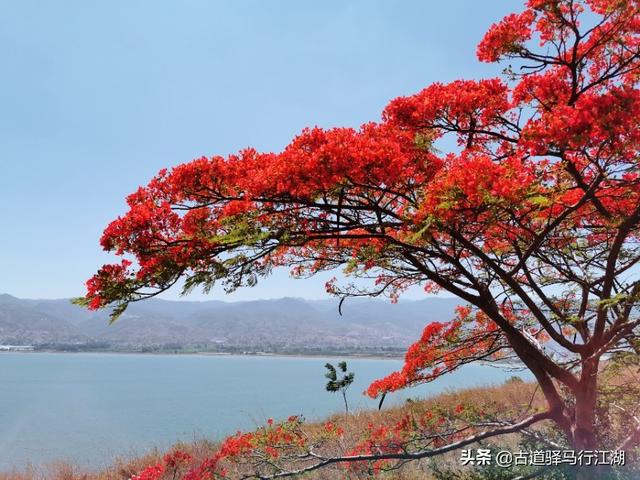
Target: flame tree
(532,220)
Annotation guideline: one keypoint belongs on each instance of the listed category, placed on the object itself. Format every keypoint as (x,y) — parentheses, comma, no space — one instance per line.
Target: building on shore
(16,348)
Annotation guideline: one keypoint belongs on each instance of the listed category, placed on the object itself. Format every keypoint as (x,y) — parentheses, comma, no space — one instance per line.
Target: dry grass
(512,396)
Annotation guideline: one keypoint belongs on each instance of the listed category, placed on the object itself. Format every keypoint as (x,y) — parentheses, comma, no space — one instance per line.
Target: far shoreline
(328,355)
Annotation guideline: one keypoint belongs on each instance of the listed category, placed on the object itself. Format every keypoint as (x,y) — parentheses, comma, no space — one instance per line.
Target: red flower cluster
(506,37)
(443,348)
(273,440)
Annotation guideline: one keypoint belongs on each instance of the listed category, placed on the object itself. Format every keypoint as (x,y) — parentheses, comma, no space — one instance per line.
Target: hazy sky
(96,97)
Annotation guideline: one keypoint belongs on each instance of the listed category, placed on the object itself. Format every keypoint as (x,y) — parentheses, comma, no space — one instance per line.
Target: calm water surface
(90,408)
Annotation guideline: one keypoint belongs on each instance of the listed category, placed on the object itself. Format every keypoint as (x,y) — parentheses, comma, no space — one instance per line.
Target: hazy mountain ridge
(286,324)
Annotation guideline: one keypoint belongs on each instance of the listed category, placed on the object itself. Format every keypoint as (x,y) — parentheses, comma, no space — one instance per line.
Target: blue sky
(96,97)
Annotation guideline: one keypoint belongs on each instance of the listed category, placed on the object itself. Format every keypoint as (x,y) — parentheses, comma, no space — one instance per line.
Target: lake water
(90,408)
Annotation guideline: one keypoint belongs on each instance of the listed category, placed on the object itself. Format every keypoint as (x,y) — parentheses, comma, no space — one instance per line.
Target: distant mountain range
(287,325)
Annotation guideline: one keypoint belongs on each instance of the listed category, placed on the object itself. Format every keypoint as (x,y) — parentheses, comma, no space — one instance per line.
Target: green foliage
(117,310)
(339,384)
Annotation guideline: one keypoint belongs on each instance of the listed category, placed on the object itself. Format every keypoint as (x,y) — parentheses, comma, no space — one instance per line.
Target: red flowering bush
(350,445)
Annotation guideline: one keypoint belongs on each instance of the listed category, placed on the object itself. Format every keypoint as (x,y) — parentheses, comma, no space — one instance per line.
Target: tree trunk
(584,429)
(346,405)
